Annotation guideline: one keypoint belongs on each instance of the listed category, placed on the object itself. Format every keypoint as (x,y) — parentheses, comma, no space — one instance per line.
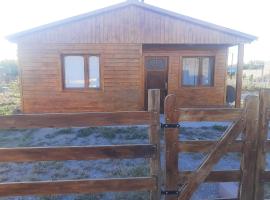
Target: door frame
(154,54)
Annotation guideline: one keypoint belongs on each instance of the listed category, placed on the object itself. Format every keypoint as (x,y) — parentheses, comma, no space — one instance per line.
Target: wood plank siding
(42,90)
(120,36)
(193,96)
(132,24)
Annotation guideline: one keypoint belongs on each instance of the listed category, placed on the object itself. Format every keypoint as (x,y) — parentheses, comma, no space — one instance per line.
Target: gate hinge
(169,125)
(170,192)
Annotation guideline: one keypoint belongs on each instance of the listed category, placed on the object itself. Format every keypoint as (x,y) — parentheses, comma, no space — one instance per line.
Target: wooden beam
(249,154)
(214,176)
(62,120)
(212,158)
(171,143)
(239,74)
(77,186)
(262,138)
(209,114)
(154,139)
(205,146)
(30,154)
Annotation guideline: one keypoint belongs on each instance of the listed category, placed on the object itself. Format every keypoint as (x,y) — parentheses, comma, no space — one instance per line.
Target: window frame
(86,72)
(199,85)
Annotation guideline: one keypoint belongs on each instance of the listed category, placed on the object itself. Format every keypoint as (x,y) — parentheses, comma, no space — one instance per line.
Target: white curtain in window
(74,71)
(94,72)
(190,71)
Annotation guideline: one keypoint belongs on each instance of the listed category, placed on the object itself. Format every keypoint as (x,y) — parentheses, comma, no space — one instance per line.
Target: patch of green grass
(219,128)
(64,131)
(26,138)
(108,133)
(136,136)
(137,171)
(85,132)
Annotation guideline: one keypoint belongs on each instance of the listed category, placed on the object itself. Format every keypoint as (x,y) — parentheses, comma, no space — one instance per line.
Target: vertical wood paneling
(132,24)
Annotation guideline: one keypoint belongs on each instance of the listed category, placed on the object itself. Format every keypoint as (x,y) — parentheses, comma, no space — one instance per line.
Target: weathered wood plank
(154,139)
(239,74)
(209,114)
(214,176)
(206,146)
(30,154)
(248,164)
(171,141)
(61,120)
(262,138)
(77,186)
(213,157)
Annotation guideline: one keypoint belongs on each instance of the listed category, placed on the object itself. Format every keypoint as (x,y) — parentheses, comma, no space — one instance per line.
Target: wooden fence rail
(77,186)
(31,154)
(252,145)
(63,120)
(251,123)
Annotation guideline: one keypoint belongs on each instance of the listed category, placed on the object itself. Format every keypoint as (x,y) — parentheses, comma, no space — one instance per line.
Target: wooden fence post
(154,137)
(262,137)
(171,142)
(249,154)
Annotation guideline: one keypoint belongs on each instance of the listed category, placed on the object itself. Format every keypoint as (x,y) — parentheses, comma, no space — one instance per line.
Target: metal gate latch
(169,125)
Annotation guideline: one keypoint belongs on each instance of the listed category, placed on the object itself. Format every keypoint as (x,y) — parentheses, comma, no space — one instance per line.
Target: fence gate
(250,123)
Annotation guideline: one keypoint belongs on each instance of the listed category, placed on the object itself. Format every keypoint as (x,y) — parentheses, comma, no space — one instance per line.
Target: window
(198,71)
(94,73)
(74,72)
(81,71)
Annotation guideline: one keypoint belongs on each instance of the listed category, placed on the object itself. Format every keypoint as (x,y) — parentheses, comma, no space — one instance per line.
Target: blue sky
(250,16)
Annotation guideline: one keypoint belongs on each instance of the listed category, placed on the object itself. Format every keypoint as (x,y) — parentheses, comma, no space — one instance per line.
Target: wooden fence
(30,154)
(251,122)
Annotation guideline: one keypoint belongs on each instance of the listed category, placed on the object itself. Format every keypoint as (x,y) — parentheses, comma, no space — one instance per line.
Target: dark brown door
(156,68)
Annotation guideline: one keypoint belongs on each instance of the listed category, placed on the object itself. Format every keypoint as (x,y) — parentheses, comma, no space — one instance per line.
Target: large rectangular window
(198,71)
(81,71)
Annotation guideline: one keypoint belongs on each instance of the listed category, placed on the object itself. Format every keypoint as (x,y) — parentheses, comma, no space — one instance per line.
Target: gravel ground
(38,171)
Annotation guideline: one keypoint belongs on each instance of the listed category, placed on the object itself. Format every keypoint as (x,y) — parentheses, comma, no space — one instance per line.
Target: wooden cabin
(106,60)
